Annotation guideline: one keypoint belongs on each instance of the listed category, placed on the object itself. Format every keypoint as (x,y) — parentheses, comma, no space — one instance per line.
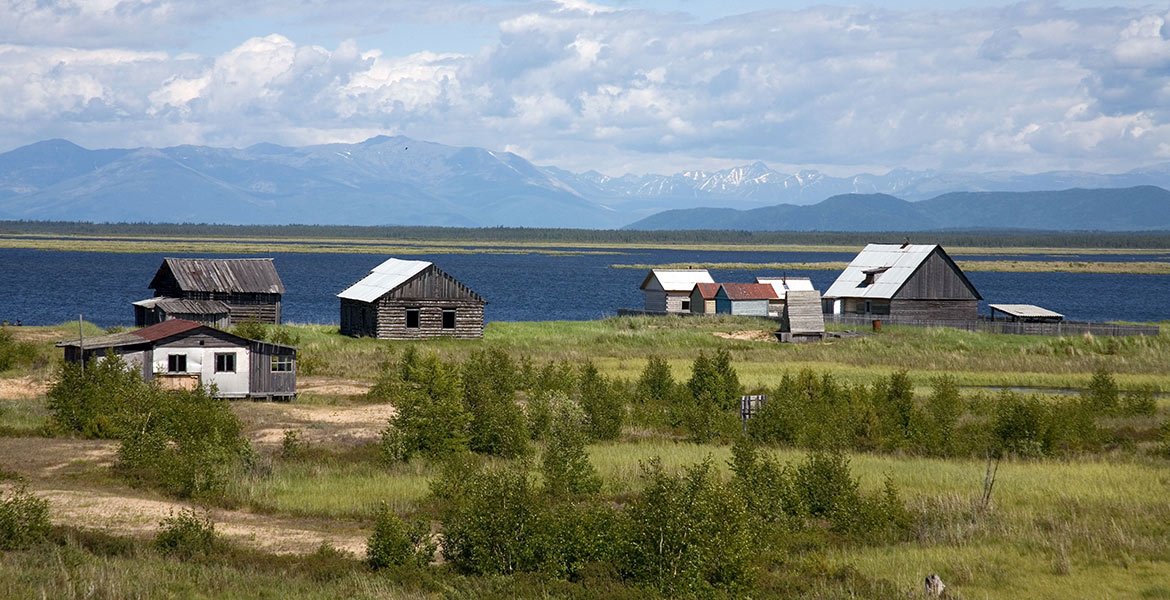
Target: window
(282,364)
(225,362)
(176,363)
(449,319)
(686,305)
(412,318)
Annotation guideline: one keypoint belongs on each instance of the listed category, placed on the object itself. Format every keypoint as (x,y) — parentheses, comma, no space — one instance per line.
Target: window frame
(417,314)
(449,312)
(177,362)
(225,356)
(283,361)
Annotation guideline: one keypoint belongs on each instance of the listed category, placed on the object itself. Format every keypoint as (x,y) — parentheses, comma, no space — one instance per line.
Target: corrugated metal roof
(239,275)
(891,265)
(384,278)
(749,291)
(707,291)
(783,285)
(153,333)
(1026,311)
(677,280)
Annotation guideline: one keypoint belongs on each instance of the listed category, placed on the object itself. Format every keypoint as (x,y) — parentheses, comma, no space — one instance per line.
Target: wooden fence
(1062,328)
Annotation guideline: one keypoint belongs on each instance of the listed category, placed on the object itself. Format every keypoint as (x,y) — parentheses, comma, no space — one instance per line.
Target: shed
(1026,313)
(803,319)
(744,299)
(249,288)
(910,282)
(184,354)
(783,285)
(669,290)
(157,310)
(703,298)
(409,299)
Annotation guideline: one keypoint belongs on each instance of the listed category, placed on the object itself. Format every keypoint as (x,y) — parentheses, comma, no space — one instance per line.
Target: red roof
(749,291)
(166,329)
(707,290)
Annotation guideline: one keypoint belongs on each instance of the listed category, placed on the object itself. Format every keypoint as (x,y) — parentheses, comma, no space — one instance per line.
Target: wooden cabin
(410,299)
(182,354)
(703,298)
(669,290)
(908,282)
(802,319)
(783,285)
(249,288)
(751,299)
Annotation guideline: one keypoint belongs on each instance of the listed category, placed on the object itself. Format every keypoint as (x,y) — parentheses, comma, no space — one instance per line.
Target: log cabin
(249,288)
(410,299)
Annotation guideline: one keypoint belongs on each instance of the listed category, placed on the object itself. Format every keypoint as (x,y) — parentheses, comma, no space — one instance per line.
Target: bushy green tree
(603,407)
(656,383)
(97,400)
(1102,396)
(498,424)
(934,432)
(394,543)
(24,519)
(491,519)
(713,407)
(565,466)
(430,418)
(767,489)
(688,534)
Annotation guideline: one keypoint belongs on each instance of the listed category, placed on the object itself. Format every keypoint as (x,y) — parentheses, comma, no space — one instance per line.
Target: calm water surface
(41,287)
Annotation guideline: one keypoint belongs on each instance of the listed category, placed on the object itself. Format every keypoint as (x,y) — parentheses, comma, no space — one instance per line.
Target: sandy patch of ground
(326,386)
(38,458)
(22,388)
(268,422)
(753,335)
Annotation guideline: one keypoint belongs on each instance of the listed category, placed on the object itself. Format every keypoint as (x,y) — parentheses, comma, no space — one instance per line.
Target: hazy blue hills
(402,181)
(1141,208)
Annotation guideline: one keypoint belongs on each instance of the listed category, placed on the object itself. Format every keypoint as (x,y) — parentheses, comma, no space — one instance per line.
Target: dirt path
(22,388)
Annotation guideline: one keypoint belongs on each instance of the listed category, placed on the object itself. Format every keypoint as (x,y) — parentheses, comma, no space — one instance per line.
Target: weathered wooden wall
(263,381)
(431,292)
(935,310)
(936,279)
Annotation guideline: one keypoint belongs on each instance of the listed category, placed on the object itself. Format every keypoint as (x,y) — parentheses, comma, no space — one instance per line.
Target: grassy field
(1095,525)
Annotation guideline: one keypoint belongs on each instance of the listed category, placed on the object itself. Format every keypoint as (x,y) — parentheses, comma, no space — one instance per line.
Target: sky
(617,86)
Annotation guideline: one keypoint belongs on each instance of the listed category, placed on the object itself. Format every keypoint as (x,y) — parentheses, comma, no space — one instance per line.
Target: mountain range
(401,181)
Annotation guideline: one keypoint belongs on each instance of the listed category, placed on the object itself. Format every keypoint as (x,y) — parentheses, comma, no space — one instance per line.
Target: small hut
(783,285)
(410,299)
(1024,313)
(751,299)
(802,319)
(249,288)
(669,290)
(703,298)
(184,354)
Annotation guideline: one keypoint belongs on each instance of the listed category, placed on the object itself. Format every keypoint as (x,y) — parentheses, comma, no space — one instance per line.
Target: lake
(42,287)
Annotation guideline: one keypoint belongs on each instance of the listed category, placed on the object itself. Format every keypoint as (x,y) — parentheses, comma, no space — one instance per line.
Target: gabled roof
(157,333)
(889,266)
(802,313)
(706,291)
(388,276)
(783,285)
(748,291)
(227,275)
(1026,311)
(675,280)
(185,306)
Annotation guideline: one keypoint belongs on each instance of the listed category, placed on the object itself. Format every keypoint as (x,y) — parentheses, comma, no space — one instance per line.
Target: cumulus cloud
(583,85)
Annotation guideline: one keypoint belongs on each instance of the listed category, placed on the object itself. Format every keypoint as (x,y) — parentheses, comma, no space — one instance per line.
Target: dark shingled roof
(238,275)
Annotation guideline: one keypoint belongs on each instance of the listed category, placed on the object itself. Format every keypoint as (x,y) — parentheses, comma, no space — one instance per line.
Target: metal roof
(240,275)
(890,264)
(156,333)
(384,278)
(707,291)
(749,291)
(677,280)
(185,306)
(783,285)
(1026,311)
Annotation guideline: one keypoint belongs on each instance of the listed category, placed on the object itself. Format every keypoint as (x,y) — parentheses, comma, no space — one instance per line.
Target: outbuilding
(669,290)
(410,299)
(181,354)
(783,285)
(1024,313)
(248,288)
(750,299)
(703,298)
(907,282)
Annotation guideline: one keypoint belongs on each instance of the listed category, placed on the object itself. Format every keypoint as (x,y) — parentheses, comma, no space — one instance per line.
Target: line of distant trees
(1004,239)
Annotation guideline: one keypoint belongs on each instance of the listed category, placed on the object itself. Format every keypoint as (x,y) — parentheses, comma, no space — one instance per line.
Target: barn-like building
(750,299)
(214,291)
(907,282)
(184,354)
(409,299)
(669,290)
(703,298)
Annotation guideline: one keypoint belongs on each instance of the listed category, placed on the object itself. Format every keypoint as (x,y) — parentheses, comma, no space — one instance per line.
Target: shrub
(688,534)
(826,486)
(1102,395)
(15,353)
(1020,425)
(714,392)
(934,427)
(490,522)
(602,407)
(186,535)
(498,425)
(430,417)
(767,490)
(565,466)
(656,383)
(394,543)
(185,442)
(97,400)
(24,519)
(1139,402)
